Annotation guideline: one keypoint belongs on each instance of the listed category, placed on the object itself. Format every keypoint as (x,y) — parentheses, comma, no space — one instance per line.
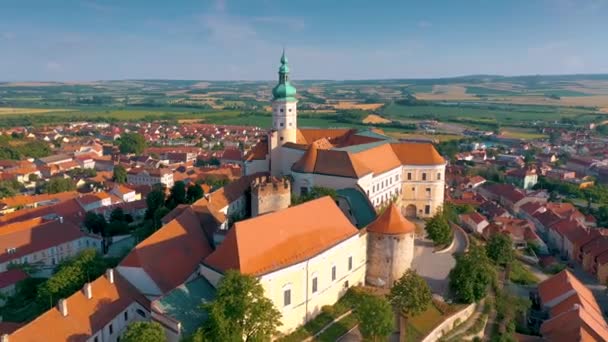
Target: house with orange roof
(8,282)
(100,312)
(124,193)
(567,310)
(42,242)
(302,266)
(167,258)
(380,167)
(94,200)
(13,203)
(150,176)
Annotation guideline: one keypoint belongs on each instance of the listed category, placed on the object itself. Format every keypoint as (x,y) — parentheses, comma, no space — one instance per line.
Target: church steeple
(284,90)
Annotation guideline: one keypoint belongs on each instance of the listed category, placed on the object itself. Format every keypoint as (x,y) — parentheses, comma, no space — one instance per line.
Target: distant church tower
(284,119)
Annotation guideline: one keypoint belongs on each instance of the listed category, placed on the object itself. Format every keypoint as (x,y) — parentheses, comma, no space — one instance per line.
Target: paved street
(435,267)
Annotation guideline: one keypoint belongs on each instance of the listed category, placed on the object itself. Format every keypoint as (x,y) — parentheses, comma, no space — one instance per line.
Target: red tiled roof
(265,243)
(32,236)
(391,222)
(85,316)
(172,253)
(11,277)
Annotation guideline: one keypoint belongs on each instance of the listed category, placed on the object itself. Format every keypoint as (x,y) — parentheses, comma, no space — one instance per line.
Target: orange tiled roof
(85,316)
(333,162)
(562,283)
(576,324)
(172,253)
(379,159)
(391,222)
(266,243)
(417,154)
(22,200)
(34,235)
(307,162)
(308,135)
(258,152)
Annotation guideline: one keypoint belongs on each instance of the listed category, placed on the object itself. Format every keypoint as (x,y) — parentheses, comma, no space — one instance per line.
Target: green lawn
(419,326)
(338,329)
(521,275)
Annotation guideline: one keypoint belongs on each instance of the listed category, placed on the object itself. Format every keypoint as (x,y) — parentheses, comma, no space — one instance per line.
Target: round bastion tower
(284,118)
(390,248)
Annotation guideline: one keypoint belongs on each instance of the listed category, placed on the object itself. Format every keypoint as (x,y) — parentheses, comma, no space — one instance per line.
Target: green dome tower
(284,119)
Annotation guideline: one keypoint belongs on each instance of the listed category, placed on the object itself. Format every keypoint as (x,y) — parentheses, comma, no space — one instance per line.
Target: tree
(500,249)
(194,193)
(158,215)
(95,223)
(57,185)
(33,177)
(473,273)
(154,200)
(144,331)
(178,195)
(240,311)
(376,317)
(132,143)
(120,174)
(70,276)
(314,193)
(117,215)
(410,294)
(438,229)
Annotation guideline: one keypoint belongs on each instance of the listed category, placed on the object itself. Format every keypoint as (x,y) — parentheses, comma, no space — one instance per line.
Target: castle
(385,170)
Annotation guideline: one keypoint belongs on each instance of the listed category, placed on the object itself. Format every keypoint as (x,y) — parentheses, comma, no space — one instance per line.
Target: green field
(504,114)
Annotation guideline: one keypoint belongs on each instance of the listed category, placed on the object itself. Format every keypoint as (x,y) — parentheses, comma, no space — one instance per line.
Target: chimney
(4,338)
(60,219)
(110,275)
(88,290)
(62,305)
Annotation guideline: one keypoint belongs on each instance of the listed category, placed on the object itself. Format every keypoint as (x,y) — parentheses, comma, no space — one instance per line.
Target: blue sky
(325,39)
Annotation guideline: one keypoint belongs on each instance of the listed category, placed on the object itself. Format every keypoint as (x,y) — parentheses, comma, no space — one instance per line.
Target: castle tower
(269,194)
(390,248)
(284,118)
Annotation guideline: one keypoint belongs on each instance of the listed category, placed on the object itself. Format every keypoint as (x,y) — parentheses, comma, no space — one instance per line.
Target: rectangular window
(333,273)
(287,297)
(424,176)
(427,209)
(350,263)
(438,176)
(314,285)
(409,176)
(96,339)
(428,192)
(126,315)
(110,329)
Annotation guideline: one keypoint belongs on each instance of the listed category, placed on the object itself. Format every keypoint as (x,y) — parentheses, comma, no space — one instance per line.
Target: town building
(380,167)
(147,176)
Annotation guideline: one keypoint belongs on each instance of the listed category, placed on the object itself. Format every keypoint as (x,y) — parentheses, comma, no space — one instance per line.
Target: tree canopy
(314,193)
(473,273)
(154,200)
(120,174)
(438,229)
(144,331)
(410,294)
(376,317)
(177,195)
(500,249)
(194,193)
(132,143)
(59,184)
(240,311)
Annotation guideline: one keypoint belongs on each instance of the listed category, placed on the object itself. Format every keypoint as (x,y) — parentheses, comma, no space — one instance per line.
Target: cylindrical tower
(390,248)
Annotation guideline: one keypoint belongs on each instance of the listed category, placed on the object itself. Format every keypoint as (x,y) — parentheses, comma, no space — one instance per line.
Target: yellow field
(375,119)
(446,92)
(523,135)
(355,105)
(11,110)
